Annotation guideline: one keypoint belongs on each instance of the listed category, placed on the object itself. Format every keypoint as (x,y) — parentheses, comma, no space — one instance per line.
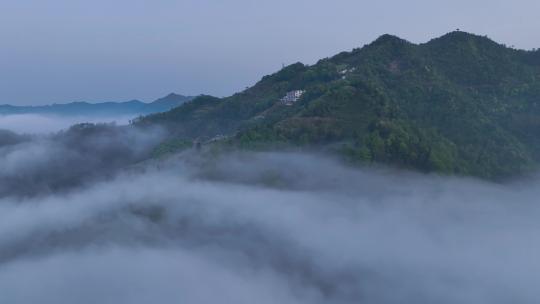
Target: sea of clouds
(83,219)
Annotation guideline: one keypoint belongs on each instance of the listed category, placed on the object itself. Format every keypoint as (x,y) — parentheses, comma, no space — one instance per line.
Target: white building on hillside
(292,97)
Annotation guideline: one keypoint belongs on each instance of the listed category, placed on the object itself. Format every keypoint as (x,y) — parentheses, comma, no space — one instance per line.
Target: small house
(292,97)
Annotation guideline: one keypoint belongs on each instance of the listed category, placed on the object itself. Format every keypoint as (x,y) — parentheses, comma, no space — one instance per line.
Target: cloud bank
(32,165)
(266,228)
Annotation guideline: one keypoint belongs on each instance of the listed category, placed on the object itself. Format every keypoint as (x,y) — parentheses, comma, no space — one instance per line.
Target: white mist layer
(272,228)
(45,124)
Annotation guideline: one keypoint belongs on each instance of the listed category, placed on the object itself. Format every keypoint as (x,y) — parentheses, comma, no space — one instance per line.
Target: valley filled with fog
(87,217)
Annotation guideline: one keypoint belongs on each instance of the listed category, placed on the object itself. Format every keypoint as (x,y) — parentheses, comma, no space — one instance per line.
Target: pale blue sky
(66,50)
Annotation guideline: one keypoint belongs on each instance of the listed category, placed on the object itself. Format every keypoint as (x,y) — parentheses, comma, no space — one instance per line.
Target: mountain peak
(168,102)
(173,95)
(457,34)
(388,39)
(461,38)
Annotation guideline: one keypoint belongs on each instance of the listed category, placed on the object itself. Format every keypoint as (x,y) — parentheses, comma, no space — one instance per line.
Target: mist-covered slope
(133,107)
(460,104)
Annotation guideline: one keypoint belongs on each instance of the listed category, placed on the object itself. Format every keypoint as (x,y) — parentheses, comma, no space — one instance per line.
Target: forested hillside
(458,104)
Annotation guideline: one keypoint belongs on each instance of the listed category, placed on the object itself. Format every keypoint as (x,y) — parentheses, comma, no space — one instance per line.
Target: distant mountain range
(458,104)
(133,107)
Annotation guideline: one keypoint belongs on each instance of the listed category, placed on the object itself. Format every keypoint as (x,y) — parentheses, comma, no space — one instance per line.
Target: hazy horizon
(125,50)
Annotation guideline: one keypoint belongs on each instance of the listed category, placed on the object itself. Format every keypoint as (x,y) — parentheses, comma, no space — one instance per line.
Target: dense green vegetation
(173,145)
(459,104)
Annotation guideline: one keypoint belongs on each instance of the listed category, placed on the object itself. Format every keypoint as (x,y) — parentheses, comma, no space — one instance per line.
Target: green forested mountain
(459,104)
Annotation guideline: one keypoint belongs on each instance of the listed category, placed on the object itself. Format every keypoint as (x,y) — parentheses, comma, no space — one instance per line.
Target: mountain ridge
(458,104)
(131,107)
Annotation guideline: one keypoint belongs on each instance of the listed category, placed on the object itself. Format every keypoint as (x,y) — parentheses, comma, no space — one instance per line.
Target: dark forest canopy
(458,104)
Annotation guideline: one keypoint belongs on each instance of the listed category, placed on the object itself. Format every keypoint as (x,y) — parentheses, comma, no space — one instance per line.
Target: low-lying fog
(80,224)
(49,123)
